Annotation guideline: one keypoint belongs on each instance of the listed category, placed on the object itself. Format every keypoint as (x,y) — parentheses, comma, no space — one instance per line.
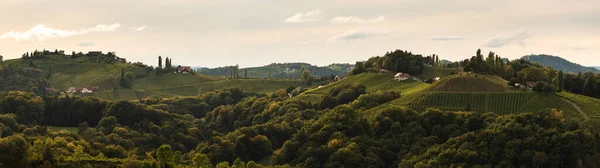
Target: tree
(1,59)
(306,75)
(358,68)
(164,155)
(251,164)
(588,86)
(597,88)
(561,81)
(159,61)
(238,163)
(201,160)
(245,73)
(222,165)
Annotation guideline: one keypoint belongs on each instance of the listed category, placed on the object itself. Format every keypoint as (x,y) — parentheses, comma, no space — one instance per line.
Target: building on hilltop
(183,69)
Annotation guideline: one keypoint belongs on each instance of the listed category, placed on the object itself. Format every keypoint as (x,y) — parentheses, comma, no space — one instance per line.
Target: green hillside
(559,63)
(82,71)
(373,82)
(468,82)
(194,89)
(276,70)
(481,93)
(433,72)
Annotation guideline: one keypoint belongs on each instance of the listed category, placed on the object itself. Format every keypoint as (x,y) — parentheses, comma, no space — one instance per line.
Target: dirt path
(577,108)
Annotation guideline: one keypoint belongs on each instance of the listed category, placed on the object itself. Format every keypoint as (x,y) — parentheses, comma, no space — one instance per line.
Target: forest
(240,129)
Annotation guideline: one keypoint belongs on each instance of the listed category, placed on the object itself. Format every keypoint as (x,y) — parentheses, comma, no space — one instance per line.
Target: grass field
(589,105)
(432,72)
(169,80)
(79,72)
(470,83)
(254,85)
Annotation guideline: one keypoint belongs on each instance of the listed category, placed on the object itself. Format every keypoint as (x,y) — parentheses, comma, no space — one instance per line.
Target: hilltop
(278,70)
(559,63)
(103,71)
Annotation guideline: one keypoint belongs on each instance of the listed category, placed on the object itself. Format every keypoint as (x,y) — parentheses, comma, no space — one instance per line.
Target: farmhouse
(183,69)
(74,90)
(402,76)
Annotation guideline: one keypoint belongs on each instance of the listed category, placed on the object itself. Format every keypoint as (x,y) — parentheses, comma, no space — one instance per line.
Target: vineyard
(470,83)
(589,105)
(592,124)
(499,103)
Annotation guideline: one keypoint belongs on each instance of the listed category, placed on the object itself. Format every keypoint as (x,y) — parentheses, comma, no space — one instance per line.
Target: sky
(259,32)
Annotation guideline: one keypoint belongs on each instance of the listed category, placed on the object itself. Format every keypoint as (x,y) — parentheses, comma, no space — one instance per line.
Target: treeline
(396,61)
(29,79)
(544,79)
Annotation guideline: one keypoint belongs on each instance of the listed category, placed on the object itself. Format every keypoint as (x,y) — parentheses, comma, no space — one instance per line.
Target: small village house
(74,90)
(183,69)
(402,76)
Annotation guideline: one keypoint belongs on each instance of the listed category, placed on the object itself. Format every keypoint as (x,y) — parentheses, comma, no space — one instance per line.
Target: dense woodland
(233,128)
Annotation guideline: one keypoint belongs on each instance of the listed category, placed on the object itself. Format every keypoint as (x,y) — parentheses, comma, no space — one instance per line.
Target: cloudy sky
(258,32)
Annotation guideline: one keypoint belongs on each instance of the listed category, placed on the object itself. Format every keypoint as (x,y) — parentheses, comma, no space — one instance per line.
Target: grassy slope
(372,81)
(489,95)
(589,105)
(193,89)
(432,72)
(79,72)
(169,80)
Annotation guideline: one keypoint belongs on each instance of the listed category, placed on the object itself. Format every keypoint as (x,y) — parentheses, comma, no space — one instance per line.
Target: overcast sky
(259,32)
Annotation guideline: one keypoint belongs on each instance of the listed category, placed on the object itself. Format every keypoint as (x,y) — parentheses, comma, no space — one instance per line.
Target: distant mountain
(276,70)
(559,63)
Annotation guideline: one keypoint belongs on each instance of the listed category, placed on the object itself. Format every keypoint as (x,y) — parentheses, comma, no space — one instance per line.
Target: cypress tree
(588,87)
(159,61)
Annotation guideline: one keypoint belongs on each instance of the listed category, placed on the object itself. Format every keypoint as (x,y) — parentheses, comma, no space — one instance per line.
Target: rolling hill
(87,71)
(276,70)
(559,63)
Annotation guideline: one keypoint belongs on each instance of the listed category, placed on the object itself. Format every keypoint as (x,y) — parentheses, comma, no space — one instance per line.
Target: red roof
(184,68)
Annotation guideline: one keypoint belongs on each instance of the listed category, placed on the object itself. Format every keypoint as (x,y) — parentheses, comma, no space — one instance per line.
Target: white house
(402,76)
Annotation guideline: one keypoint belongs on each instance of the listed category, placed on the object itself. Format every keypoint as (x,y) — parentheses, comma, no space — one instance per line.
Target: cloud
(517,37)
(355,35)
(141,28)
(354,19)
(446,38)
(309,16)
(86,44)
(42,32)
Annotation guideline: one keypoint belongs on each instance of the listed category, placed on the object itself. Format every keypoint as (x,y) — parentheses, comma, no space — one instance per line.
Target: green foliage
(544,87)
(18,78)
(164,156)
(341,95)
(13,151)
(398,61)
(201,161)
(28,108)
